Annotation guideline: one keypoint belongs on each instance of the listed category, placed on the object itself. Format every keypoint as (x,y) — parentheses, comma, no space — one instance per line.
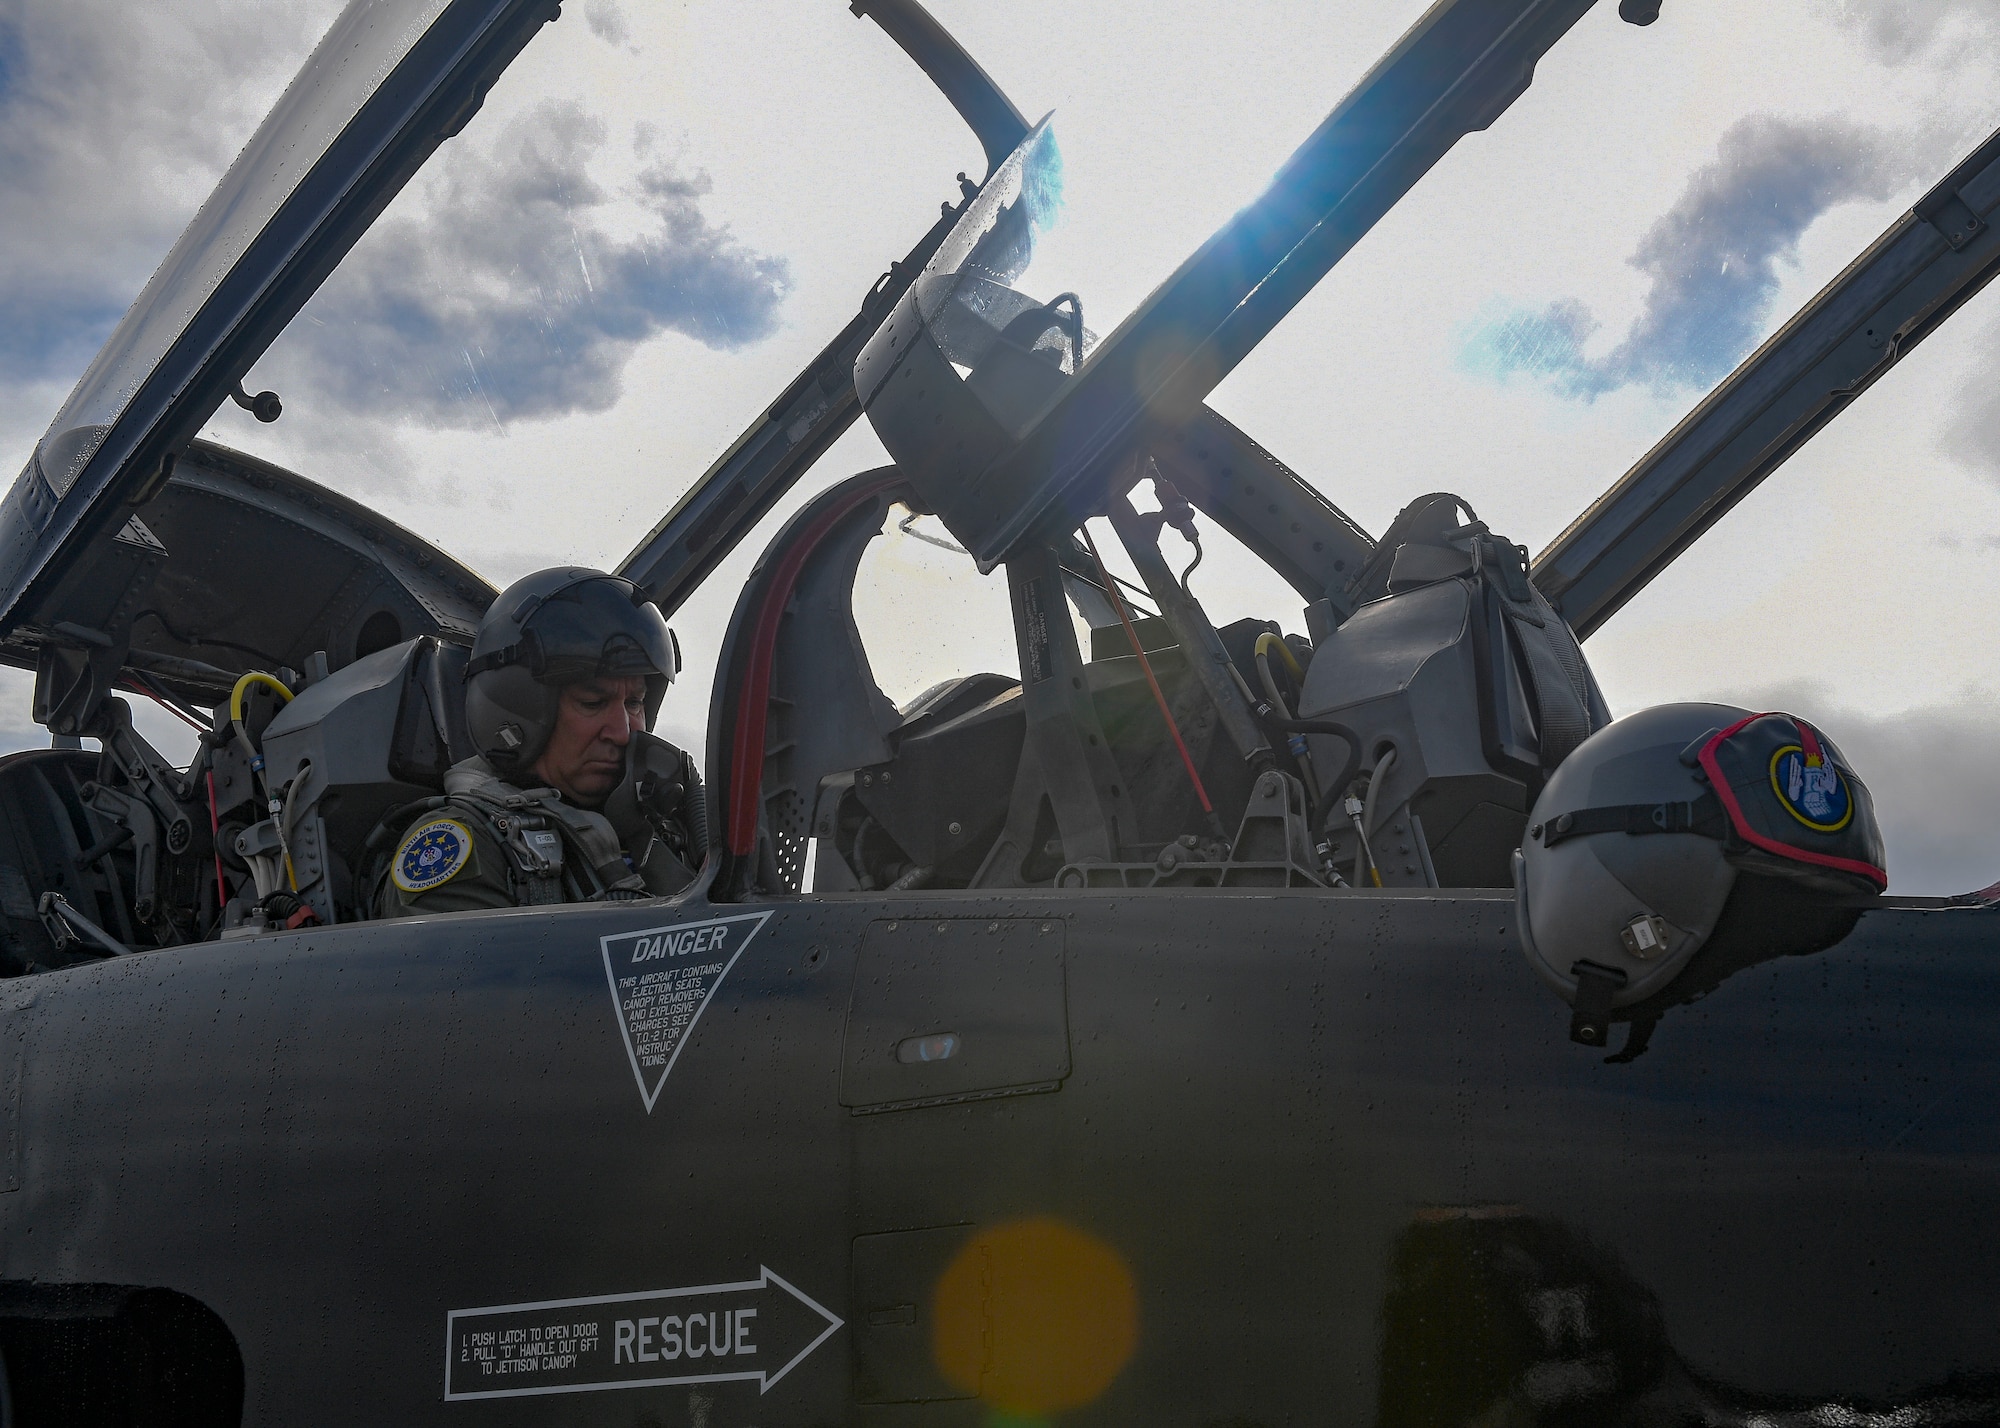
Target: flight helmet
(1638,839)
(553,628)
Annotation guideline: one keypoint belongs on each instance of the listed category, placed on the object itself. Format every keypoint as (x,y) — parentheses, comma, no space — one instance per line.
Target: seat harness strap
(1590,1016)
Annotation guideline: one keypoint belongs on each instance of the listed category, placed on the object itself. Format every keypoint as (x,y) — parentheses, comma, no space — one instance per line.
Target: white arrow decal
(756,1331)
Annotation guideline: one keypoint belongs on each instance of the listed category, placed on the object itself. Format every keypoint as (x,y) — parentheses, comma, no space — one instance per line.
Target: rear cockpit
(1140,746)
(1398,740)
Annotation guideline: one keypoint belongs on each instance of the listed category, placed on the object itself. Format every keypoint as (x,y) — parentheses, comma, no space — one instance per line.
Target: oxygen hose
(1383,764)
(285,818)
(257,678)
(1267,642)
(1277,716)
(1295,740)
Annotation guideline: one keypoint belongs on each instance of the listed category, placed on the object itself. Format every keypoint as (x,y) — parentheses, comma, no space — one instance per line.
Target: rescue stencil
(661,981)
(755,1331)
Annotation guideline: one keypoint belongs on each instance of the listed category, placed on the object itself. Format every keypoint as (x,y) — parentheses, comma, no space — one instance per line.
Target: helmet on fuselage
(554,628)
(1639,838)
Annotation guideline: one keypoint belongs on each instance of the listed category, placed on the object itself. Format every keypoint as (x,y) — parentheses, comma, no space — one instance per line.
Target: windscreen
(980,284)
(365,43)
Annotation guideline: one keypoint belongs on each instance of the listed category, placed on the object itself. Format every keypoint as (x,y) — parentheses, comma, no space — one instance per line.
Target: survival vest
(556,852)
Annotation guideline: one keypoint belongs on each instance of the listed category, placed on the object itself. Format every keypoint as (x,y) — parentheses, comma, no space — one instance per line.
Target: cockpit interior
(1396,740)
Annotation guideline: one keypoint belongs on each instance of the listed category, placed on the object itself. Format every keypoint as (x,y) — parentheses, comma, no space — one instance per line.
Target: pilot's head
(569,663)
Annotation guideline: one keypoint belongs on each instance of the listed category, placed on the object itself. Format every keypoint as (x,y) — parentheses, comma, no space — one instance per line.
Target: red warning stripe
(746,763)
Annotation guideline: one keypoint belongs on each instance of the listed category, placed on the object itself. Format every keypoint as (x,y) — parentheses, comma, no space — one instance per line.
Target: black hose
(696,803)
(1075,333)
(1350,767)
(1195,541)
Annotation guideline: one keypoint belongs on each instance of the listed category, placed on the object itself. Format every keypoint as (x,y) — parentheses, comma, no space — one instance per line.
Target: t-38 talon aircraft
(1158,1043)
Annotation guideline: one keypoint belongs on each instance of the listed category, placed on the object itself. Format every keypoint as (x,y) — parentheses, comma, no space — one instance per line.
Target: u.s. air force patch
(432,855)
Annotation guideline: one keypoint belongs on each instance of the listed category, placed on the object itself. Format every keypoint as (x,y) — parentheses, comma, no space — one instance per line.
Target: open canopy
(391,80)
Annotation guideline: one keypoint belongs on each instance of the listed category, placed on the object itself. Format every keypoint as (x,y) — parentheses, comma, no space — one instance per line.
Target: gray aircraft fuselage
(1269,1106)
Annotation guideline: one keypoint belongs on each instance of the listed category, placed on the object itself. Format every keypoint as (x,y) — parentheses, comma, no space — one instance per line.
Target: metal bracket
(1275,828)
(1949,214)
(136,815)
(1590,1020)
(68,927)
(1206,657)
(141,765)
(1066,758)
(1273,849)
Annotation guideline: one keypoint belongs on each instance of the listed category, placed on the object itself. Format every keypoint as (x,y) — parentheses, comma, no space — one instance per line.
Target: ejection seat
(366,741)
(805,749)
(52,840)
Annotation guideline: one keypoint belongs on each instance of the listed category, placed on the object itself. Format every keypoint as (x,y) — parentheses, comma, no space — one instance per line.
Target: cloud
(503,565)
(512,297)
(1934,775)
(115,121)
(1951,30)
(607,22)
(1713,260)
(1972,431)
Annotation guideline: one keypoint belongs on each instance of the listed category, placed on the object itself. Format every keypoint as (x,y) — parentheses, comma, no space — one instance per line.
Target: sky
(664,211)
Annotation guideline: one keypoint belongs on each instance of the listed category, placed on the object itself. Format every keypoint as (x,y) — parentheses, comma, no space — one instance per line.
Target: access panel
(955,1009)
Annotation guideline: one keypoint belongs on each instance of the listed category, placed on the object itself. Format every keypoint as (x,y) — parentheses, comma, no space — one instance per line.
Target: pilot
(569,799)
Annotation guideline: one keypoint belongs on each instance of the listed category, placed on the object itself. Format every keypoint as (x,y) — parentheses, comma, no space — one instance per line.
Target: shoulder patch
(431,855)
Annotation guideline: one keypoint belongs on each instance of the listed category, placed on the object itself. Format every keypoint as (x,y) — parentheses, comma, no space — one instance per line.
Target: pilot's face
(595,720)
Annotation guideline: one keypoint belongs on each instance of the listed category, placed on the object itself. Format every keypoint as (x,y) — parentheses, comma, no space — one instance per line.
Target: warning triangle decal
(661,981)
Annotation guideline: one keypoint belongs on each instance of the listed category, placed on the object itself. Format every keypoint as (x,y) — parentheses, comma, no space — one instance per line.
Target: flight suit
(492,845)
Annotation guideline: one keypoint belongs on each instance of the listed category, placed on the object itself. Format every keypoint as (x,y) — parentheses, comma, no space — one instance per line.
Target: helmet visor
(594,630)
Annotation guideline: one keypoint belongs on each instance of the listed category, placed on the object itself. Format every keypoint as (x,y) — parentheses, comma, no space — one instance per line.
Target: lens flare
(1034,1316)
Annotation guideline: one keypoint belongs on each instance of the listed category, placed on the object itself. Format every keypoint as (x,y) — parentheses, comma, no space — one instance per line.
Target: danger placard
(661,981)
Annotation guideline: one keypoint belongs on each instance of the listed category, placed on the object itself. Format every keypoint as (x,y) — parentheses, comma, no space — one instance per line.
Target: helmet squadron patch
(431,856)
(1811,788)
